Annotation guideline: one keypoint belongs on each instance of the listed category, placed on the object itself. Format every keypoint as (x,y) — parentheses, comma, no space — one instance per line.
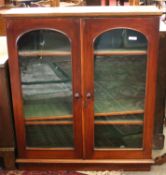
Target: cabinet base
(78,164)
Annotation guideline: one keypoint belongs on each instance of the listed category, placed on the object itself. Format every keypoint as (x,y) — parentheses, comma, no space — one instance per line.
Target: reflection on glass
(44,40)
(119,79)
(121,39)
(49,136)
(46,81)
(46,86)
(118,136)
(120,57)
(119,83)
(122,118)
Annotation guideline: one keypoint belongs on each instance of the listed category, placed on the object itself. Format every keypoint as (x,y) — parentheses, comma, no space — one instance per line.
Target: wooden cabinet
(7,147)
(83,86)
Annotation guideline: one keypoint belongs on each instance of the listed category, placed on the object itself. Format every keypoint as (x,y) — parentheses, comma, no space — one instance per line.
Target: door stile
(16,90)
(152,70)
(88,92)
(82,55)
(77,90)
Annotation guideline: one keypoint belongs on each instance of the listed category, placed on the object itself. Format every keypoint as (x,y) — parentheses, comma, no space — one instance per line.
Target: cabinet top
(83,11)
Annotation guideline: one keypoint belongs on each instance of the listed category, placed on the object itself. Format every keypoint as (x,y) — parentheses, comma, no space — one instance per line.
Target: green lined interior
(118,136)
(119,83)
(45,136)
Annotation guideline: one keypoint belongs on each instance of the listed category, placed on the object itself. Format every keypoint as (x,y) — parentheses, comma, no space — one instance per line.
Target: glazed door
(46,88)
(119,90)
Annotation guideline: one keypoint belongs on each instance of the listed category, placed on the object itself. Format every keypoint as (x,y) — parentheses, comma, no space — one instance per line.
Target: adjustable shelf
(30,53)
(119,52)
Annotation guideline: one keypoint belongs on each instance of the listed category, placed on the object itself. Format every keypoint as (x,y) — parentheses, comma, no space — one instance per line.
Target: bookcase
(83,82)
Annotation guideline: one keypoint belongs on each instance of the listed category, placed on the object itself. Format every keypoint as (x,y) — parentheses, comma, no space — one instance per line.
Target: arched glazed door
(117,96)
(49,92)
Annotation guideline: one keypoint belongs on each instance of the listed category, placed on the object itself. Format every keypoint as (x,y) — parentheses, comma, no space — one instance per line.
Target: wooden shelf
(48,118)
(29,53)
(119,52)
(110,114)
(120,122)
(48,122)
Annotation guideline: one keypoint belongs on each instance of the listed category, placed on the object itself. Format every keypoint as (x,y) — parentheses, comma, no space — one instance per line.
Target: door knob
(77,95)
(88,95)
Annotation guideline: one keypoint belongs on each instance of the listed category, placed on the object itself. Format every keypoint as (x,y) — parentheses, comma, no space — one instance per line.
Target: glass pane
(124,39)
(120,77)
(43,40)
(119,83)
(122,118)
(46,81)
(120,57)
(49,136)
(46,86)
(118,136)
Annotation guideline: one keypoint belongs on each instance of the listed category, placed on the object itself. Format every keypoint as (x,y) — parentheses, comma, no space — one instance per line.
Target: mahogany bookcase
(83,82)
